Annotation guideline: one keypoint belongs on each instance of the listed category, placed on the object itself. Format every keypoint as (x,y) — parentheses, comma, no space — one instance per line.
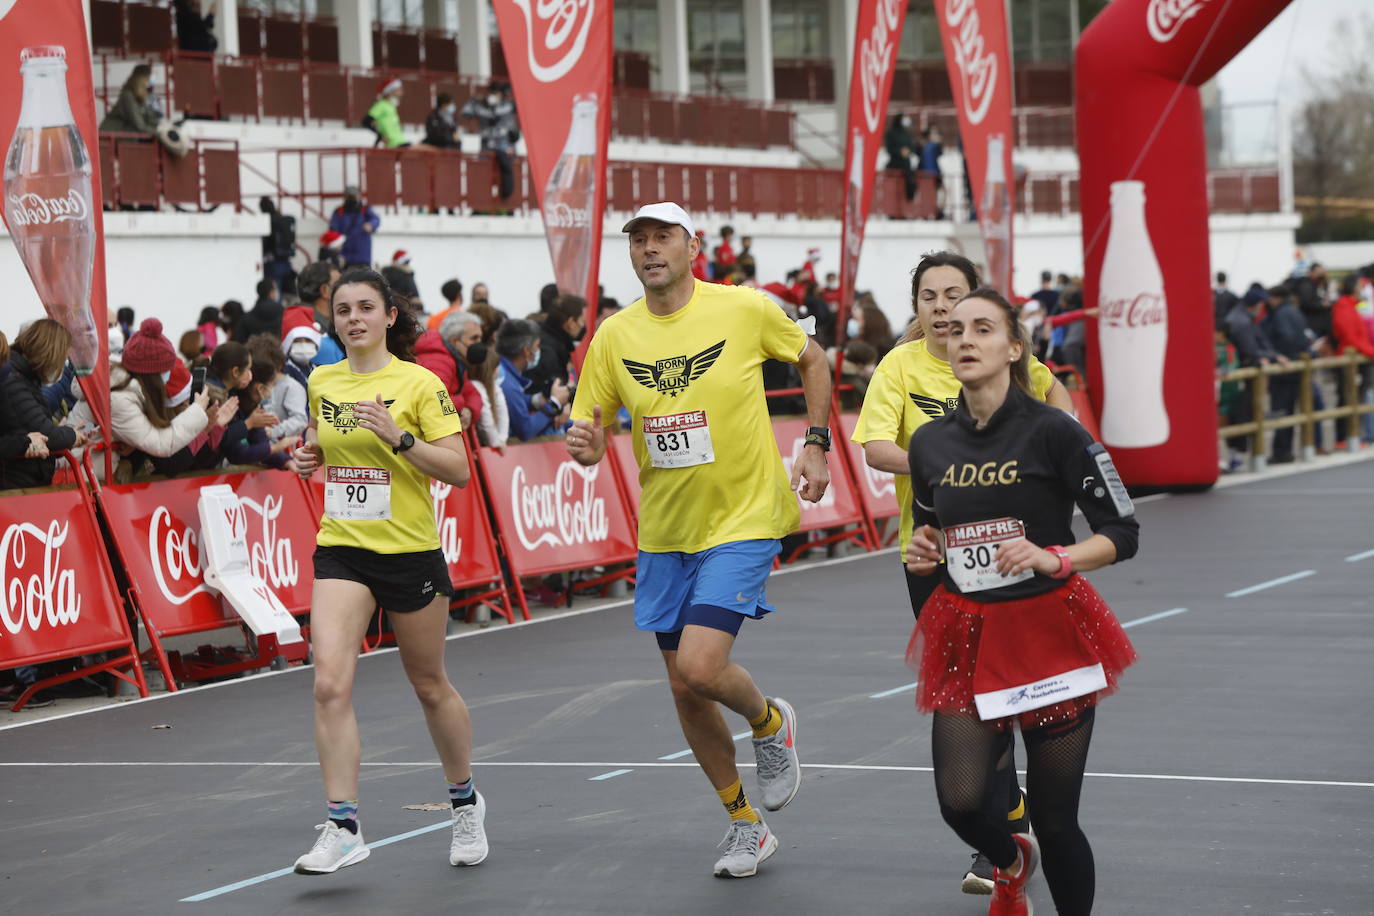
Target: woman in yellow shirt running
(382,426)
(912,385)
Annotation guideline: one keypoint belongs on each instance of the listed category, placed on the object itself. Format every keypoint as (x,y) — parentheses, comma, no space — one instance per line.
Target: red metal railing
(137,171)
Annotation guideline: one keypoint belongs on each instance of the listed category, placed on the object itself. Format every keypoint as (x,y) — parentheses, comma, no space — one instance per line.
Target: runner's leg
(703,663)
(340,611)
(703,725)
(966,755)
(1056,756)
(420,638)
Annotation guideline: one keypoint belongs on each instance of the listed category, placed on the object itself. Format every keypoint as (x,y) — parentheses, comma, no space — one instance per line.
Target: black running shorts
(401,582)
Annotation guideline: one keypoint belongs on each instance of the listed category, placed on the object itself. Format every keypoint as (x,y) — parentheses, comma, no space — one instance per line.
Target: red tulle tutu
(954,632)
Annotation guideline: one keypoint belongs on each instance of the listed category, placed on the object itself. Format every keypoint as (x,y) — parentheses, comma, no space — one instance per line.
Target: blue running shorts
(731,576)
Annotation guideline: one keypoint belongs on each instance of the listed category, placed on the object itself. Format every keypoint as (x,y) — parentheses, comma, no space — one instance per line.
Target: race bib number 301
(357,494)
(971,554)
(678,440)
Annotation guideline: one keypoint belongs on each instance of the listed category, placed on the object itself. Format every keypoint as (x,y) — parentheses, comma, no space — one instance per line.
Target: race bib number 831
(678,440)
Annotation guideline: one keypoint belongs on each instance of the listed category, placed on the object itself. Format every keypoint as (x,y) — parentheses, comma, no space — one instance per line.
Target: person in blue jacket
(356,222)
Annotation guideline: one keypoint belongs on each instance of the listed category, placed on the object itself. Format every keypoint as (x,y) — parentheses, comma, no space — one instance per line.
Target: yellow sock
(1015,814)
(768,723)
(736,805)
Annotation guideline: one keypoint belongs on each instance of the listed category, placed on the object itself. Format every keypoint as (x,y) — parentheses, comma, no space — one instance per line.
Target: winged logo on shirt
(341,416)
(674,374)
(935,408)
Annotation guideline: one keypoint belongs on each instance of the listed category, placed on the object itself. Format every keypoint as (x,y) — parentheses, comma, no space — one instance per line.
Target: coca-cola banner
(52,197)
(553,514)
(464,535)
(839,506)
(156,528)
(1143,196)
(877,489)
(877,34)
(558,54)
(57,596)
(978,56)
(623,450)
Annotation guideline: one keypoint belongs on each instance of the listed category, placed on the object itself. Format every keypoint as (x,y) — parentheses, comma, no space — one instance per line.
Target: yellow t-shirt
(420,405)
(695,375)
(908,388)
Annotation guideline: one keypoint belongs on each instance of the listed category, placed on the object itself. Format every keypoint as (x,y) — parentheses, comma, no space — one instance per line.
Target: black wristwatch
(818,436)
(407,441)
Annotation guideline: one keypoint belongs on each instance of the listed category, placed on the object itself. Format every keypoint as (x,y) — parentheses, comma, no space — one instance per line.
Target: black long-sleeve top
(1031,462)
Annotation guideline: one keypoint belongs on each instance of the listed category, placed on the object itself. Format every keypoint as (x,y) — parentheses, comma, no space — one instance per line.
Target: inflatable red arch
(1138,67)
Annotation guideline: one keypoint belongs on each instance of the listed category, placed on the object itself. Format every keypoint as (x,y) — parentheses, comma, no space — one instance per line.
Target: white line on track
(1281,580)
(893,692)
(1357,557)
(1153,617)
(611,775)
(687,753)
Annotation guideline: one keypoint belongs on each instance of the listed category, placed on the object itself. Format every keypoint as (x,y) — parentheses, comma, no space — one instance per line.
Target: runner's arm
(882,455)
(445,458)
(814,369)
(1058,396)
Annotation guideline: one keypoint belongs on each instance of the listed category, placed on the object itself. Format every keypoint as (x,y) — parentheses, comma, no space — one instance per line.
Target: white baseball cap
(665,212)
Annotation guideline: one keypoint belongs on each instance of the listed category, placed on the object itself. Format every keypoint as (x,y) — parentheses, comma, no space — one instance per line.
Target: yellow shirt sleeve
(438,417)
(880,417)
(780,337)
(596,385)
(1041,379)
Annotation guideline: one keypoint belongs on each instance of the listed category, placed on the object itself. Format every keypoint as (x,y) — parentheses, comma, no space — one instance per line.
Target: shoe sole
(353,858)
(796,787)
(768,849)
(976,885)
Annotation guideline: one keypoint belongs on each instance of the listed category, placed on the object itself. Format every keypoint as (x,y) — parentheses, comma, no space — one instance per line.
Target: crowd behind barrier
(533,526)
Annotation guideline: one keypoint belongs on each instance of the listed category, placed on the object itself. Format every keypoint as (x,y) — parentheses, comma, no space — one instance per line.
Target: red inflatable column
(1139,119)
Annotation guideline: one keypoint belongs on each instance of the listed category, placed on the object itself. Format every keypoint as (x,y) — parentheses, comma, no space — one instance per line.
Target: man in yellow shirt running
(685,361)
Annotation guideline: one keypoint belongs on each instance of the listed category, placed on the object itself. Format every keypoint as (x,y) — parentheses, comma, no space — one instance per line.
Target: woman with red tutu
(1013,637)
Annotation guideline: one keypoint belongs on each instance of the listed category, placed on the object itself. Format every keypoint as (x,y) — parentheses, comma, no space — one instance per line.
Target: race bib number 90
(678,440)
(971,554)
(357,494)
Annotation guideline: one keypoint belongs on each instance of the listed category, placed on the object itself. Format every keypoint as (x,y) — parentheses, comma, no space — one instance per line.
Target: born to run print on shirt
(675,373)
(935,408)
(342,415)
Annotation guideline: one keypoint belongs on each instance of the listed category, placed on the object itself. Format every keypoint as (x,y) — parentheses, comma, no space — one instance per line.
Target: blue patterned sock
(345,814)
(462,793)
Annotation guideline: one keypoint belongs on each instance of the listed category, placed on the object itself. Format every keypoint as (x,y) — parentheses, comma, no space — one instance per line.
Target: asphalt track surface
(1231,775)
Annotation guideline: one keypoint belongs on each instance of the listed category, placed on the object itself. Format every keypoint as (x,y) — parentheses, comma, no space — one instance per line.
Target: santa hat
(298,323)
(401,258)
(388,86)
(178,385)
(781,293)
(813,255)
(332,239)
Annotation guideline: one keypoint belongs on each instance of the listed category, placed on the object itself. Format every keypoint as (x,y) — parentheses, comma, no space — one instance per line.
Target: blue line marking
(1357,557)
(611,775)
(688,752)
(895,690)
(1271,583)
(249,882)
(1153,617)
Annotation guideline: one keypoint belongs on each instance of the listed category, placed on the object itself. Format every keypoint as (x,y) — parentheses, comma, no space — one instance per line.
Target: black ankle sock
(460,802)
(349,824)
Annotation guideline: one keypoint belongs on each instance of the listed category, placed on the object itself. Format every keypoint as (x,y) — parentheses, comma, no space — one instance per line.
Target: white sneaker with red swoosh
(746,845)
(779,769)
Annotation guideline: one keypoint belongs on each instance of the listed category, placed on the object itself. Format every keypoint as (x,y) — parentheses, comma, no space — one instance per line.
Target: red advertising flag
(978,55)
(558,53)
(51,177)
(840,504)
(877,36)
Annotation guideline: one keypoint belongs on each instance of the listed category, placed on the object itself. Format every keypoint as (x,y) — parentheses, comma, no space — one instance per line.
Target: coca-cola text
(977,65)
(35,210)
(560,513)
(555,34)
(560,215)
(1141,311)
(1165,17)
(876,53)
(174,550)
(449,540)
(48,595)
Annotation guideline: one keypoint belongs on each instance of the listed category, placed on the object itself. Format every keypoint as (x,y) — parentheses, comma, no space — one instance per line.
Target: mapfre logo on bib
(555,35)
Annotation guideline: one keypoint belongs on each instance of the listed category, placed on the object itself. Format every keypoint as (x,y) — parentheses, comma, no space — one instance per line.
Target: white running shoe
(779,770)
(335,848)
(746,845)
(469,846)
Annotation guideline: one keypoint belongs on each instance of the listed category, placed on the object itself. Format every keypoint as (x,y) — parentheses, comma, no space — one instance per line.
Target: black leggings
(972,760)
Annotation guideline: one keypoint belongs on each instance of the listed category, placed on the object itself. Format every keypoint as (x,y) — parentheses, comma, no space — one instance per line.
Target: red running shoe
(1009,893)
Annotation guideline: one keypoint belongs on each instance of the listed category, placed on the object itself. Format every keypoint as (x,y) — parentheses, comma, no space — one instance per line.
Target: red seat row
(136,171)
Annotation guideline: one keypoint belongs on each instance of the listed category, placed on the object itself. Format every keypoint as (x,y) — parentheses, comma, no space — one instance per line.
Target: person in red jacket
(701,264)
(444,351)
(1349,332)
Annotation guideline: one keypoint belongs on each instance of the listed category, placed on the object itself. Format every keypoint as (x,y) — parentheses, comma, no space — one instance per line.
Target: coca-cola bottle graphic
(569,198)
(1132,327)
(47,188)
(994,217)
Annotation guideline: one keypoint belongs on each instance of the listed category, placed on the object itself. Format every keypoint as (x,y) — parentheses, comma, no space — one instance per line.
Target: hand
(81,438)
(367,227)
(308,457)
(810,467)
(465,417)
(1092,312)
(373,415)
(261,419)
(1019,555)
(225,413)
(925,551)
(559,392)
(202,400)
(586,440)
(282,445)
(38,446)
(1283,360)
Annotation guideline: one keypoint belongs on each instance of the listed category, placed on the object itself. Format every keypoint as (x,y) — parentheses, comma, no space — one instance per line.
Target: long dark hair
(1020,370)
(155,406)
(401,336)
(928,260)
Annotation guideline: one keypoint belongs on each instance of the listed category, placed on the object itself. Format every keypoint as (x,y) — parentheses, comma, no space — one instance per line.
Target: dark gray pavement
(1232,774)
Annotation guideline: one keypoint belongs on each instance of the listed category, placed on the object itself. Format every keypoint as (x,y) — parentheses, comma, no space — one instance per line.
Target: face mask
(534,360)
(906,122)
(166,376)
(493,100)
(477,354)
(851,327)
(303,351)
(450,109)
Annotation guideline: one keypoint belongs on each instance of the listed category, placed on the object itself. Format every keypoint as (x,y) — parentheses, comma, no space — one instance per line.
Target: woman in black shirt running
(1012,636)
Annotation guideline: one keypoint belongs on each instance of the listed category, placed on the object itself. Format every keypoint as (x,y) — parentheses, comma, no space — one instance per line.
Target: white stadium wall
(171,264)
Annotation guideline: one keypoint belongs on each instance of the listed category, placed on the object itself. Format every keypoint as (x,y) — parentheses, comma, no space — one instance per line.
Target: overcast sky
(1300,36)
